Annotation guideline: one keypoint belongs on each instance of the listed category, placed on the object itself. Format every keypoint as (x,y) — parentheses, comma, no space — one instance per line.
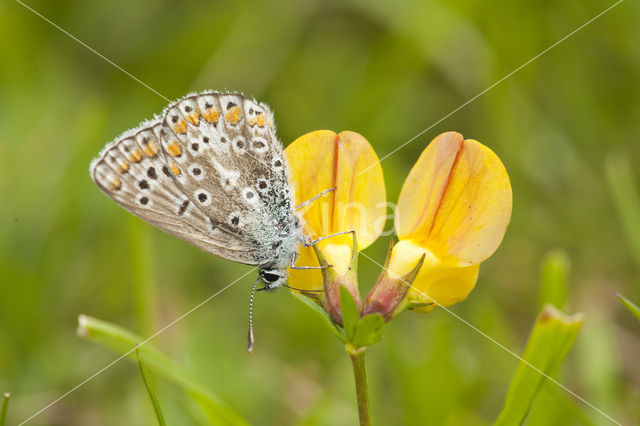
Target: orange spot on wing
(136,156)
(174,149)
(175,169)
(233,116)
(115,184)
(150,149)
(211,115)
(194,118)
(261,120)
(123,167)
(181,127)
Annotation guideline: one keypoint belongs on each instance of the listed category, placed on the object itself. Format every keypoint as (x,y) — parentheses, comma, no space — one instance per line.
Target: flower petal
(456,201)
(436,282)
(322,160)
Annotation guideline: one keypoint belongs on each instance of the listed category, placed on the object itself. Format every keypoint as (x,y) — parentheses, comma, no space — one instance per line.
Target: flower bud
(388,295)
(333,279)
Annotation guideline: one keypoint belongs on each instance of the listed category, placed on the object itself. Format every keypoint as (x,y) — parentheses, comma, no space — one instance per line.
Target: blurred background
(566,127)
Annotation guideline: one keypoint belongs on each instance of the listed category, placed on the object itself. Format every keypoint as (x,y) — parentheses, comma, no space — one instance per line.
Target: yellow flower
(452,213)
(454,208)
(322,160)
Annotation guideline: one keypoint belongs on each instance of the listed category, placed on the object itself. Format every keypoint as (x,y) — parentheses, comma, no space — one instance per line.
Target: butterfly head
(273,277)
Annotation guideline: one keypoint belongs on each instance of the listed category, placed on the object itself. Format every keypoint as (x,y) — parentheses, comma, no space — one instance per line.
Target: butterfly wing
(230,165)
(209,171)
(134,173)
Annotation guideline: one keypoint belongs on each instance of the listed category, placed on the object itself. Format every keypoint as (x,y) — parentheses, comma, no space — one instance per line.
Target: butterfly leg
(309,267)
(311,244)
(293,265)
(306,203)
(317,240)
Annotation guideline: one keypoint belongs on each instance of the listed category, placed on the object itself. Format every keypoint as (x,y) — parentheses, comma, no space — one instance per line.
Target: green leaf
(554,278)
(368,331)
(552,336)
(567,403)
(123,341)
(150,391)
(3,408)
(317,309)
(632,307)
(350,315)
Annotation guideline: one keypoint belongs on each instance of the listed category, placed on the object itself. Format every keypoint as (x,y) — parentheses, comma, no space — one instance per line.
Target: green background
(387,70)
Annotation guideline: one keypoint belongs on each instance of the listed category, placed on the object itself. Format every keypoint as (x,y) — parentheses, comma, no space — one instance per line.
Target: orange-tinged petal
(436,284)
(322,160)
(456,201)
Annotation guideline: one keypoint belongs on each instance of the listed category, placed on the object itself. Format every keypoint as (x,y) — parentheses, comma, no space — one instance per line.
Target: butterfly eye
(269,277)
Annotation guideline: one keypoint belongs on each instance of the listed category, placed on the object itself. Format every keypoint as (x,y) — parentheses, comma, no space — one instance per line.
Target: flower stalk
(343,306)
(362,389)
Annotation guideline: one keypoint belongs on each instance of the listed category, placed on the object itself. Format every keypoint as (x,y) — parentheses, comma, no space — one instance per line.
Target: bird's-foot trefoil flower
(452,213)
(323,160)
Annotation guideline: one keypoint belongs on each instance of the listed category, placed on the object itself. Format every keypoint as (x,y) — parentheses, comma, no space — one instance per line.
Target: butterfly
(210,170)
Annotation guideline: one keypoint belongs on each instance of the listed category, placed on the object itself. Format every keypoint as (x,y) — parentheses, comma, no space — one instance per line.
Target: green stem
(362,389)
(150,391)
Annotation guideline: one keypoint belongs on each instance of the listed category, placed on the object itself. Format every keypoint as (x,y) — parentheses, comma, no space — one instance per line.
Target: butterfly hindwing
(230,165)
(209,170)
(133,172)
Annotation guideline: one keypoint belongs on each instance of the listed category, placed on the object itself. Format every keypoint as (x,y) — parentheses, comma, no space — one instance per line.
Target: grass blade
(3,408)
(632,307)
(552,336)
(150,391)
(554,277)
(122,341)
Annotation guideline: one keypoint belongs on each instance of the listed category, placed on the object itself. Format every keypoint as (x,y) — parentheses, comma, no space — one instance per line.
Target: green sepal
(350,316)
(326,319)
(368,331)
(417,305)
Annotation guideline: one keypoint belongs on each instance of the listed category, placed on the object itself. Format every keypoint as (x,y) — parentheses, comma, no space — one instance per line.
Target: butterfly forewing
(210,171)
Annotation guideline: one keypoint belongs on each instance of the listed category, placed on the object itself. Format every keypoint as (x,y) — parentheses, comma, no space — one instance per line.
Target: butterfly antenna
(251,339)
